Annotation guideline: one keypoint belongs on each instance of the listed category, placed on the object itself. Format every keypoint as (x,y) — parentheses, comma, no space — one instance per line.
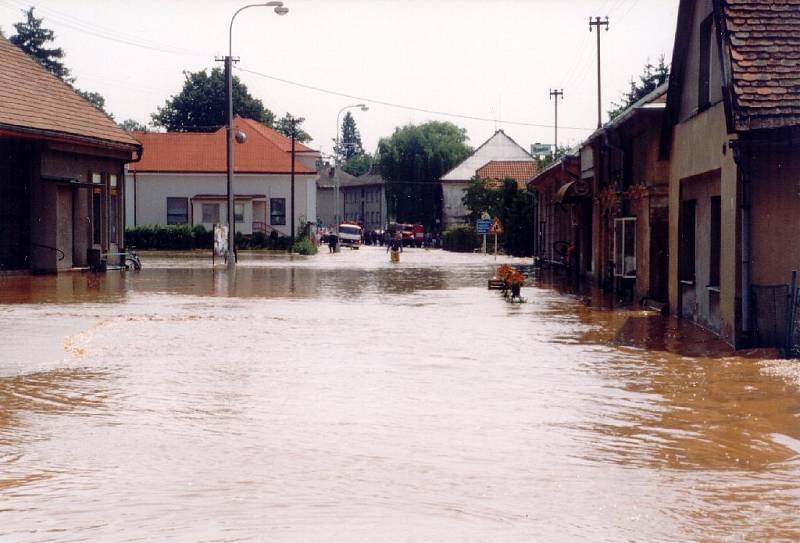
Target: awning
(572,191)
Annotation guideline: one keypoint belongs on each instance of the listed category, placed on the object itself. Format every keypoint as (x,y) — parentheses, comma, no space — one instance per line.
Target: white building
(182,179)
(499,147)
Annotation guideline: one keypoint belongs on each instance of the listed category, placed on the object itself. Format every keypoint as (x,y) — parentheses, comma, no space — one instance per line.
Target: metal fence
(776,314)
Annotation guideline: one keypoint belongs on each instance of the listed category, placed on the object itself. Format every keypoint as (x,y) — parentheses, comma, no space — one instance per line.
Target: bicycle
(132,261)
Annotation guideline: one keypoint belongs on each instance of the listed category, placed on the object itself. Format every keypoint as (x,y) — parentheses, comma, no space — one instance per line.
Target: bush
(184,237)
(460,238)
(304,246)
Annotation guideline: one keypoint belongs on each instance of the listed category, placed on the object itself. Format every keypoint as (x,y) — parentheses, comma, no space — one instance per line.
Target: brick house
(61,170)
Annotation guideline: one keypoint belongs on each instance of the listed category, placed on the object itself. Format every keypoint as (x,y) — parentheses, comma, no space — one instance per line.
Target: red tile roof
(203,152)
(498,170)
(34,101)
(764,41)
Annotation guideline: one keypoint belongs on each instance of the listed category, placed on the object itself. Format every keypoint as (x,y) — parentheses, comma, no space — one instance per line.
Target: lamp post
(280,10)
(336,218)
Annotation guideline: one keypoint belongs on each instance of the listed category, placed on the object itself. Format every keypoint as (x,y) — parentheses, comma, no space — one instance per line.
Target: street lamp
(362,107)
(280,10)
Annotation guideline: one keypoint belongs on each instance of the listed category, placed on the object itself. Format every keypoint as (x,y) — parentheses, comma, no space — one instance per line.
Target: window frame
(185,201)
(277,219)
(207,205)
(624,248)
(238,217)
(705,63)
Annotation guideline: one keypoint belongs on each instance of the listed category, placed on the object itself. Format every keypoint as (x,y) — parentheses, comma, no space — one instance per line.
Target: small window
(625,247)
(113,207)
(238,212)
(277,211)
(210,213)
(686,235)
(704,70)
(97,216)
(178,211)
(97,179)
(716,241)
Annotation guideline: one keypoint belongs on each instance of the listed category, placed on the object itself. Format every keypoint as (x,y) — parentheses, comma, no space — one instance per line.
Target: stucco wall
(148,195)
(453,210)
(61,214)
(775,216)
(700,147)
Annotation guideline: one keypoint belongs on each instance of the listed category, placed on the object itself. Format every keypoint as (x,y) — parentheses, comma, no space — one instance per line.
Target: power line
(401,106)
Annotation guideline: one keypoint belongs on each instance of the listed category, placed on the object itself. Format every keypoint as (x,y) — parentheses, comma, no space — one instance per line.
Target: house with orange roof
(496,171)
(499,148)
(61,171)
(182,179)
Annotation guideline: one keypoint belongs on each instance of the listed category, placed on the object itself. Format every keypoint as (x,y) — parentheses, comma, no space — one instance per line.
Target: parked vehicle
(350,235)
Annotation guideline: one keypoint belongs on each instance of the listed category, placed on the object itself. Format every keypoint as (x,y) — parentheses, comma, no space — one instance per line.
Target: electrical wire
(402,106)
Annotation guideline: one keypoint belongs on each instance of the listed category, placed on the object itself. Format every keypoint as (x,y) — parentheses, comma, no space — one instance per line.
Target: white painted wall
(454,210)
(149,192)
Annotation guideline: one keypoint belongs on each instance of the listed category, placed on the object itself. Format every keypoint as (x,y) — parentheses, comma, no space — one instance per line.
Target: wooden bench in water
(496,284)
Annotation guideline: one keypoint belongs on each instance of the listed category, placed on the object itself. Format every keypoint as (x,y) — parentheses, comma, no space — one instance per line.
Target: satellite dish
(241,137)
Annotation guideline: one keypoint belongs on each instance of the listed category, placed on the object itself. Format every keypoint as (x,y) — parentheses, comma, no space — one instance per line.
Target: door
(65,233)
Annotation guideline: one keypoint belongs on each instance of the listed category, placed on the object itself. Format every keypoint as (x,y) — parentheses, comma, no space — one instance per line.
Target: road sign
(483,226)
(496,228)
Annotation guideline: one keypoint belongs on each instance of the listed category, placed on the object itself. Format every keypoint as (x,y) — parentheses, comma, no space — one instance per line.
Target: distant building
(364,201)
(61,171)
(499,147)
(182,179)
(327,216)
(361,199)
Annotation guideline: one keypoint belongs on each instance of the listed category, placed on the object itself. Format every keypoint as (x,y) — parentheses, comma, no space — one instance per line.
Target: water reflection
(343,398)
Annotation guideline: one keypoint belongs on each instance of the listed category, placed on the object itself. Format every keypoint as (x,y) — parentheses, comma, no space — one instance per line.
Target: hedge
(460,238)
(183,237)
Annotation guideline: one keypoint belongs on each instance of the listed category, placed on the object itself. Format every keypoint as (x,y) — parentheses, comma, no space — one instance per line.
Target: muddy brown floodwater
(340,398)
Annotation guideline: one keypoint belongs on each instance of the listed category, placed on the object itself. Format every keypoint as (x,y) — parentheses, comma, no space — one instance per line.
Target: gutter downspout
(741,157)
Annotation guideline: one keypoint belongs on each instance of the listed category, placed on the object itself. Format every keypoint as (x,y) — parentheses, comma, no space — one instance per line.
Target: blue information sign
(483,226)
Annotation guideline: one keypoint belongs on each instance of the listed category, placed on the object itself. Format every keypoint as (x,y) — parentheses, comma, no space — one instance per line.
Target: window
(704,67)
(625,247)
(686,235)
(113,207)
(97,208)
(178,211)
(716,241)
(210,213)
(238,212)
(277,211)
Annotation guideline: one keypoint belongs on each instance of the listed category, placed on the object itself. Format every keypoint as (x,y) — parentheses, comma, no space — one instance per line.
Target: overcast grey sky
(495,59)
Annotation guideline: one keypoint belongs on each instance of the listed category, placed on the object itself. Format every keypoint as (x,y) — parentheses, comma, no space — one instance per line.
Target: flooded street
(340,398)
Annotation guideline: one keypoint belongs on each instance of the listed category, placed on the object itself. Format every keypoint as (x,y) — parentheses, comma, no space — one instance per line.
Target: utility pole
(598,23)
(557,94)
(291,200)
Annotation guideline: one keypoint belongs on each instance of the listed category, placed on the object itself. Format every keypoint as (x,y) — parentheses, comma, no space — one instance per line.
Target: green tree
(132,125)
(200,105)
(652,77)
(412,160)
(287,123)
(96,99)
(542,163)
(350,143)
(479,197)
(32,38)
(510,204)
(359,164)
